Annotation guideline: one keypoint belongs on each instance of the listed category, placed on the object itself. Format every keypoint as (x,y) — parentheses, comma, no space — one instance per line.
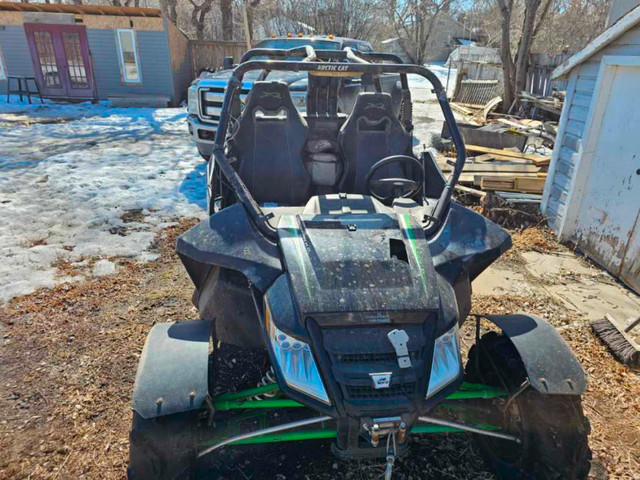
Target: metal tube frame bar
(264,431)
(259,218)
(281,433)
(468,428)
(325,433)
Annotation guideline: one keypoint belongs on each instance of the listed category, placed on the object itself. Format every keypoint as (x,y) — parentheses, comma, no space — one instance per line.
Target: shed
(447,35)
(474,53)
(592,191)
(397,46)
(130,55)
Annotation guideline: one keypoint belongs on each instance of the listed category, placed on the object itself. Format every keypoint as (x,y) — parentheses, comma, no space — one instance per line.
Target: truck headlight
(192,100)
(296,363)
(445,367)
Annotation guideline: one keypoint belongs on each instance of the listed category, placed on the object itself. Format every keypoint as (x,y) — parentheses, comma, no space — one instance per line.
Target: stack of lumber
(476,114)
(481,115)
(548,104)
(503,170)
(513,184)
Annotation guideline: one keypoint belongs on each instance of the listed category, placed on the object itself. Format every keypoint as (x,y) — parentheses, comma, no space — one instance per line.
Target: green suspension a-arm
(238,400)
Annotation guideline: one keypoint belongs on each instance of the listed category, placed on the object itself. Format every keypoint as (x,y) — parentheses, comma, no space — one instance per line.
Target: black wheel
(553,428)
(163,448)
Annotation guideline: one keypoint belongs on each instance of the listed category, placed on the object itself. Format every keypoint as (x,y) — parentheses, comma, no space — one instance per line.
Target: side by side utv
(336,249)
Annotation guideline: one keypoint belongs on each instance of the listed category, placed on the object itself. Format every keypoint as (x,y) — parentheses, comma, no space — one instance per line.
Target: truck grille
(211,102)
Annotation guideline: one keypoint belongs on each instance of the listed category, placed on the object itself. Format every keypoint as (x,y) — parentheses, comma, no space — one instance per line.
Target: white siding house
(592,192)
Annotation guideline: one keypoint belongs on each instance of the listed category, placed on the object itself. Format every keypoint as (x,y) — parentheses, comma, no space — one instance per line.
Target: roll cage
(329,63)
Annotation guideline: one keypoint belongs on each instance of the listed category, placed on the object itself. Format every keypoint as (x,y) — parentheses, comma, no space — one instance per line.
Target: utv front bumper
(349,435)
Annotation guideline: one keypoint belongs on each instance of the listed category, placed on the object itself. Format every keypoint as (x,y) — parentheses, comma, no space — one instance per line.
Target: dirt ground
(68,357)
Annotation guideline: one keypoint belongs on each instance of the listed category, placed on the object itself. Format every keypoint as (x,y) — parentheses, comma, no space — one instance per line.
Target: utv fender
(173,370)
(228,239)
(551,366)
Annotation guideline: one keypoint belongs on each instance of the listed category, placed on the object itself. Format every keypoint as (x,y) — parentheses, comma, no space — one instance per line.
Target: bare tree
(514,67)
(226,9)
(570,25)
(415,21)
(251,7)
(169,9)
(199,15)
(349,18)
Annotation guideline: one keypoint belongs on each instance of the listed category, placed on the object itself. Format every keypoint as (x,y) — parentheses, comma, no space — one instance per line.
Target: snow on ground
(68,175)
(70,172)
(442,72)
(427,115)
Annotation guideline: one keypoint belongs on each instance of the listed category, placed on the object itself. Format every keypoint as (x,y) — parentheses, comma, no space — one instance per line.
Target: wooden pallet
(538,160)
(512,184)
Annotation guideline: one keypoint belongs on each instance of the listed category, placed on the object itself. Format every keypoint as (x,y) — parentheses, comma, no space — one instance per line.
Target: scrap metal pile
(507,154)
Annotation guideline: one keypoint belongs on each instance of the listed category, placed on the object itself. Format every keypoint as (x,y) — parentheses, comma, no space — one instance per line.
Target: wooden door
(607,224)
(61,59)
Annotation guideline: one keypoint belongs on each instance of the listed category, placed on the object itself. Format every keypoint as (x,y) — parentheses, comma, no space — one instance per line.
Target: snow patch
(87,180)
(103,267)
(440,71)
(100,183)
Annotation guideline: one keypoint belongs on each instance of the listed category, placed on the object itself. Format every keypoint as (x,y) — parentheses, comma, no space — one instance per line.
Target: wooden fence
(538,76)
(208,54)
(539,81)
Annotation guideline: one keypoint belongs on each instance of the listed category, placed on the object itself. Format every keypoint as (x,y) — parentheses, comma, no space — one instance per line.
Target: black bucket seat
(372,132)
(268,144)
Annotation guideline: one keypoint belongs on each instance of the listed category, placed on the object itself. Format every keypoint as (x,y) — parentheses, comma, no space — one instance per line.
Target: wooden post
(247,33)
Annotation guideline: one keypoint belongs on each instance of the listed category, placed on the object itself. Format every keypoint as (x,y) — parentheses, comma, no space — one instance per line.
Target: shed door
(608,225)
(61,58)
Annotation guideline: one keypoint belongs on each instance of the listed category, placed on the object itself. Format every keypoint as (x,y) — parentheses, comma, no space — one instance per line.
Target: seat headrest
(373,106)
(270,96)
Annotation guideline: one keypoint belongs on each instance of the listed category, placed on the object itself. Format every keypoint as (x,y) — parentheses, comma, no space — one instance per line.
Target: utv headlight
(296,362)
(192,100)
(445,367)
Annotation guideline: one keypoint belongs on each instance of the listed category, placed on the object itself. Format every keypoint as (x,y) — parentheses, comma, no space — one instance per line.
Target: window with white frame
(129,63)
(3,71)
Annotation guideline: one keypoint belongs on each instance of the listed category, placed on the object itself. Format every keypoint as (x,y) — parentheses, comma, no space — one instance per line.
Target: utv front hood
(372,264)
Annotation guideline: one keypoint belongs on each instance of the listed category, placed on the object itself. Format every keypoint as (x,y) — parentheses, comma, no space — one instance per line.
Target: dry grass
(539,238)
(69,361)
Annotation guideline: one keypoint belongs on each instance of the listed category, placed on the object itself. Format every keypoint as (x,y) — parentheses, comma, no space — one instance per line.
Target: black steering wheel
(395,187)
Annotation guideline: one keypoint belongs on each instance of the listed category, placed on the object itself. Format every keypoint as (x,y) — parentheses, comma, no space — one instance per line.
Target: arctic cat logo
(271,95)
(381,380)
(334,68)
